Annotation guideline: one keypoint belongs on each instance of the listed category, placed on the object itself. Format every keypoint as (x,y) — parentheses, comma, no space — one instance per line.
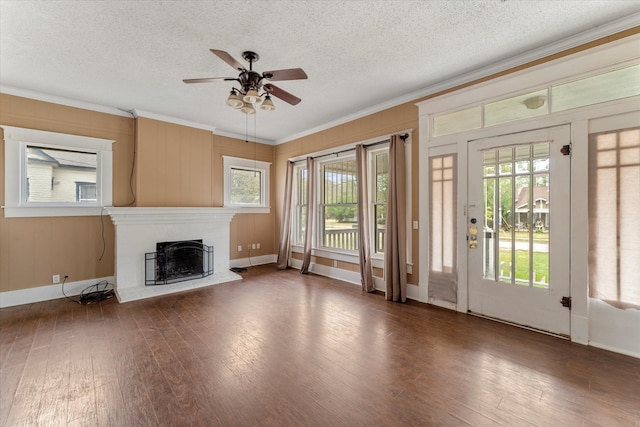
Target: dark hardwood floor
(283,349)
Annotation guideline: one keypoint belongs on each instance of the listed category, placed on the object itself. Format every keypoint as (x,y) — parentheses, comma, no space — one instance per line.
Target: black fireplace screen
(178,261)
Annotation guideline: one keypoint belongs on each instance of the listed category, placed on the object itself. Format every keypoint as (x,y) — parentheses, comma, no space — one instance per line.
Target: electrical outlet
(239,248)
(415,225)
(257,245)
(253,246)
(55,278)
(335,263)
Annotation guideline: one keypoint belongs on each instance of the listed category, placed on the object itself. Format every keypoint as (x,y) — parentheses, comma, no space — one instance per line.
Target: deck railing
(347,239)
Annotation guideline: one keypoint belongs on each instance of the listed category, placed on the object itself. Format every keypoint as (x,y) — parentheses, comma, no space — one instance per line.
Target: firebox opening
(178,261)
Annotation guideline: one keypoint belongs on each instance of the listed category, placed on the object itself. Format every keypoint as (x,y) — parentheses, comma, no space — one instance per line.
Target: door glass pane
(516,215)
(488,187)
(540,204)
(522,225)
(505,236)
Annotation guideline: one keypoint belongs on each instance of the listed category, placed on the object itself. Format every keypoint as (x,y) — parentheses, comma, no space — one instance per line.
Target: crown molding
(45,97)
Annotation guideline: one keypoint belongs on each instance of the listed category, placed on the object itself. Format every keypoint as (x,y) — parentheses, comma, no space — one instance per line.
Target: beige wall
(175,166)
(182,166)
(34,249)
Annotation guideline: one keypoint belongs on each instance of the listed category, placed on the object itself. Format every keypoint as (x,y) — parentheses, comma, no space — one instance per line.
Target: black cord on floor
(101,291)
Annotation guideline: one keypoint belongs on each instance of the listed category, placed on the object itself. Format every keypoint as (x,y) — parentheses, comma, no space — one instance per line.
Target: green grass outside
(540,265)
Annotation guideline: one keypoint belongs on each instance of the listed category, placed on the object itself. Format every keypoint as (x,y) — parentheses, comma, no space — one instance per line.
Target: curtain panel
(364,238)
(311,213)
(284,249)
(395,250)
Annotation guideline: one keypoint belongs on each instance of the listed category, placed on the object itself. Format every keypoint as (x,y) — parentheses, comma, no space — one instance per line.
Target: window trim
(247,164)
(16,141)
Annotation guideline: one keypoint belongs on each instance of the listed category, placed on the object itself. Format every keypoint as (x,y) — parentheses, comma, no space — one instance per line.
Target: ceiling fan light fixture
(234,101)
(252,96)
(248,109)
(267,104)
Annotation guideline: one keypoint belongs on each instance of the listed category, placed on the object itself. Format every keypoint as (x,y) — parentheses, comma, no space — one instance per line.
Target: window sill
(50,211)
(250,210)
(377,260)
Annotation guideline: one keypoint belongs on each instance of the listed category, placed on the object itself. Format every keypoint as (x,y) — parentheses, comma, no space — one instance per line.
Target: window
(54,174)
(300,200)
(603,87)
(246,184)
(380,160)
(442,228)
(339,205)
(85,191)
(336,202)
(614,201)
(442,248)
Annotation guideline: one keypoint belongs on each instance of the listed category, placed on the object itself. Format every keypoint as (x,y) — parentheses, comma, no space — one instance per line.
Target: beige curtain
(364,238)
(395,247)
(614,222)
(284,249)
(443,278)
(311,213)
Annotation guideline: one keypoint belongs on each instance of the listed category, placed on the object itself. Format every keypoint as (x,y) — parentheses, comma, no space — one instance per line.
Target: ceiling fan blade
(282,94)
(288,74)
(209,79)
(228,59)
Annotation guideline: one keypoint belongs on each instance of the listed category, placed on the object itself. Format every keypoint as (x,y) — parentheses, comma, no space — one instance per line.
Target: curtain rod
(373,144)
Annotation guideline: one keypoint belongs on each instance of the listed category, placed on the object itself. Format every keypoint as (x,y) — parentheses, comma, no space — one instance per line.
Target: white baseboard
(254,260)
(624,351)
(46,293)
(335,273)
(580,329)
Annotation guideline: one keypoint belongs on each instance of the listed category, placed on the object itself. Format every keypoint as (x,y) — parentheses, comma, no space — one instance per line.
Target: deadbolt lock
(473,237)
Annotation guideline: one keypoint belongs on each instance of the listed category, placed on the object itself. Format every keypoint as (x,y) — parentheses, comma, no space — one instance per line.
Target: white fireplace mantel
(139,229)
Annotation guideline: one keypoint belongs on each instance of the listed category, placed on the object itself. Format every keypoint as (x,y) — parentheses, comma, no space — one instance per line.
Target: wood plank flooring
(282,349)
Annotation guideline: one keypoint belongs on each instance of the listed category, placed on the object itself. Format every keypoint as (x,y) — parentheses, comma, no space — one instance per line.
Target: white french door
(518,228)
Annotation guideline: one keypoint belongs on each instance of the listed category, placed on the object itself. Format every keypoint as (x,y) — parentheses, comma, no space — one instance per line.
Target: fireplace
(174,262)
(138,231)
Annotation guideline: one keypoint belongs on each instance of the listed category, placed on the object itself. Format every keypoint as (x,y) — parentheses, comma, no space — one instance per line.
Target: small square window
(246,184)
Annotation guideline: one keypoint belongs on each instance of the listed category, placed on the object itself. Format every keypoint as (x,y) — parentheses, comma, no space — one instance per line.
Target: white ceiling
(359,55)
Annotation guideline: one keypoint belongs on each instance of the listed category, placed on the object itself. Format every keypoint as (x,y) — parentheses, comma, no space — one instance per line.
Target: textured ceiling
(359,55)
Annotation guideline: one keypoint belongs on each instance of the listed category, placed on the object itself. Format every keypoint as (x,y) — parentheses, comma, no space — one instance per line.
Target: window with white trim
(338,208)
(55,174)
(379,187)
(336,201)
(246,184)
(300,202)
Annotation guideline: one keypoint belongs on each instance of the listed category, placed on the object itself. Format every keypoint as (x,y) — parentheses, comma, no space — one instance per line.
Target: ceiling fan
(248,96)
